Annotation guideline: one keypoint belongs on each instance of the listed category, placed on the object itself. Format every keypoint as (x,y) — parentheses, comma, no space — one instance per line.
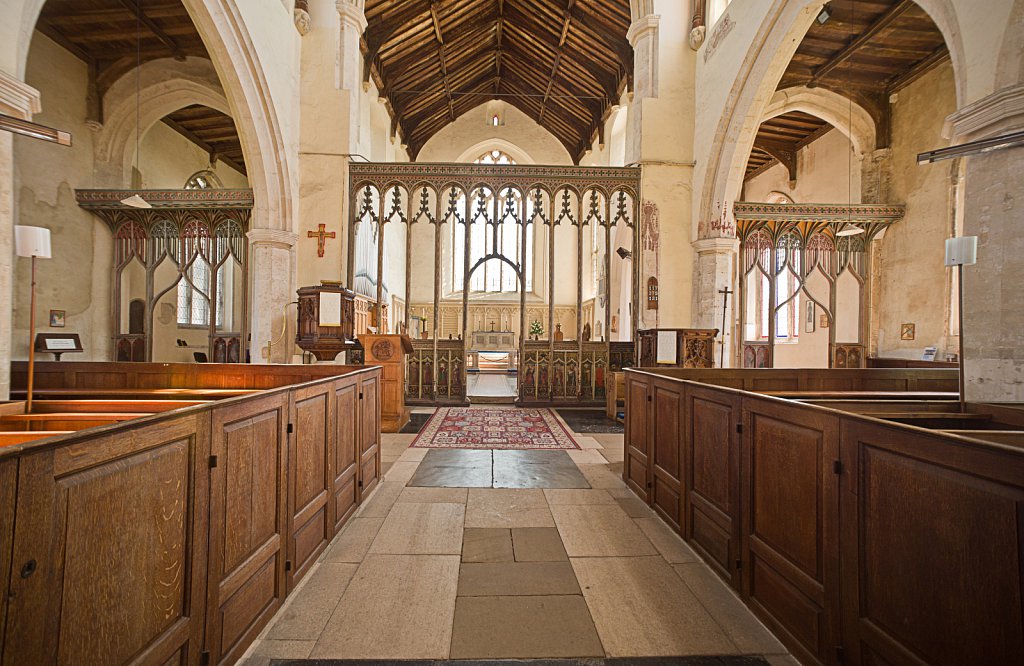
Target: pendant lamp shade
(135,201)
(32,241)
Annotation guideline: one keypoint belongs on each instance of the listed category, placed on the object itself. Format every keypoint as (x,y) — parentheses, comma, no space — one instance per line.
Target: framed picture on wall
(56,319)
(809,318)
(907,331)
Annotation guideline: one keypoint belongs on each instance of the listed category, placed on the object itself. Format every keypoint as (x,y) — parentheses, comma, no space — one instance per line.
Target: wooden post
(32,337)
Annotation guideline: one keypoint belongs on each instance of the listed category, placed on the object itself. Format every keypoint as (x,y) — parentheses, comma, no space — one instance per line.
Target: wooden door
(636,468)
(345,456)
(666,451)
(369,433)
(309,478)
(248,522)
(932,549)
(109,560)
(712,478)
(791,529)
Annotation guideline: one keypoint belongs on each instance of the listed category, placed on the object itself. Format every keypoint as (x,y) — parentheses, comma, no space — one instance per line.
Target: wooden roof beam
(133,6)
(883,22)
(206,147)
(441,57)
(566,23)
(785,154)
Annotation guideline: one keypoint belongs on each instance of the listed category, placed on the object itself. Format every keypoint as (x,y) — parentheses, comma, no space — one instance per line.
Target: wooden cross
(321,235)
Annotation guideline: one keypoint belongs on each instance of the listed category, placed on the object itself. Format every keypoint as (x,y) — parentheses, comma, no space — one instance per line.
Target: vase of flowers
(536,330)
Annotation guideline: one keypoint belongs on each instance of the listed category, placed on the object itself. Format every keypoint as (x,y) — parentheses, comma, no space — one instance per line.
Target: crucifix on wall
(321,235)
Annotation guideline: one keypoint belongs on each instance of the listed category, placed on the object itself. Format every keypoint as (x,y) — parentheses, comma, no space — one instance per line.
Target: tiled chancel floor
(431,571)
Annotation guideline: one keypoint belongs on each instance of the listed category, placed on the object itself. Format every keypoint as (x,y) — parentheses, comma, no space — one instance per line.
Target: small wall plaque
(907,331)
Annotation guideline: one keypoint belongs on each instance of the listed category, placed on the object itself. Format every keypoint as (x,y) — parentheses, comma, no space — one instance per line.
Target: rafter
(441,57)
(158,32)
(880,24)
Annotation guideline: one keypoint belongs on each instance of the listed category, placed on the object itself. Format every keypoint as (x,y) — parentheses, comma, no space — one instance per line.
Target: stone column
(272,285)
(716,270)
(21,101)
(993,332)
(643,36)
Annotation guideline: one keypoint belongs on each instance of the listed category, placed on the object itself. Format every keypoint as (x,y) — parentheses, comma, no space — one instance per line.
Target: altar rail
(856,540)
(174,538)
(435,377)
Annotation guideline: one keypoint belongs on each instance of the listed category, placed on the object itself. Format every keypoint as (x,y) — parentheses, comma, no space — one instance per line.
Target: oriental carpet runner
(481,428)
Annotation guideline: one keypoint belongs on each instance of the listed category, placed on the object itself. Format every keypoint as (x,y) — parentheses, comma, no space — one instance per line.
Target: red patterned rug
(480,428)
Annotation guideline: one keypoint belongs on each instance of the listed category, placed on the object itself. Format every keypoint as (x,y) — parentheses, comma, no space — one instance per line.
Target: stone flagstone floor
(484,573)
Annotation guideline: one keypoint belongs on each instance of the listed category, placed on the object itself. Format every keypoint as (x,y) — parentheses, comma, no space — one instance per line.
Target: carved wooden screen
(537,200)
(783,248)
(191,244)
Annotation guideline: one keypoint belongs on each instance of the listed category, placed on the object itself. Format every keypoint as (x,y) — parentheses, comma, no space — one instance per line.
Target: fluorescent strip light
(972,148)
(34,130)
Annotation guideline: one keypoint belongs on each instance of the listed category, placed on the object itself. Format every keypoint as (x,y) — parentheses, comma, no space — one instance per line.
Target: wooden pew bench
(112,406)
(24,436)
(64,421)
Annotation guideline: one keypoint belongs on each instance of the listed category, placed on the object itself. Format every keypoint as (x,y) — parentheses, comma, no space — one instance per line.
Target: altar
(494,351)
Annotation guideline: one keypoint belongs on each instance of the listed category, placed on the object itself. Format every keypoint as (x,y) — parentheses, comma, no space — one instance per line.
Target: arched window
(652,293)
(494,275)
(494,157)
(203,180)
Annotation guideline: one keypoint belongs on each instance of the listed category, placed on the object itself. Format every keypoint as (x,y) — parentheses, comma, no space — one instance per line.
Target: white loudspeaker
(962,251)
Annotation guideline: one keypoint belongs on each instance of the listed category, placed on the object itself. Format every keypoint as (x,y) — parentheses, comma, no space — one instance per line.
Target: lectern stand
(388,351)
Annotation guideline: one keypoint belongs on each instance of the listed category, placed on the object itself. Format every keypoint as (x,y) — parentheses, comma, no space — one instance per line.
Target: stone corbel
(17,98)
(276,238)
(998,113)
(352,13)
(698,25)
(300,15)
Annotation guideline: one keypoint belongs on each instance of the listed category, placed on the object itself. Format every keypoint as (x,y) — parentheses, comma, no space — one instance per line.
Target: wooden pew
(24,436)
(65,421)
(123,406)
(175,499)
(86,393)
(836,528)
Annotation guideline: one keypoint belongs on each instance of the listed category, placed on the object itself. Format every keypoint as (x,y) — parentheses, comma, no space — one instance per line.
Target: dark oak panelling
(309,480)
(713,478)
(159,539)
(855,540)
(636,465)
(369,434)
(110,548)
(790,529)
(932,548)
(666,452)
(247,522)
(345,456)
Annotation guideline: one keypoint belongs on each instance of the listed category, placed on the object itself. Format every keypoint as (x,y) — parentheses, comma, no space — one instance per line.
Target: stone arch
(638,9)
(165,86)
(515,152)
(243,83)
(848,117)
(268,162)
(780,33)
(1010,65)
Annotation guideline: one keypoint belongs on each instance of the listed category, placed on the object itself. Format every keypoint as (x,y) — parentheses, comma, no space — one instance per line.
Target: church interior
(554,332)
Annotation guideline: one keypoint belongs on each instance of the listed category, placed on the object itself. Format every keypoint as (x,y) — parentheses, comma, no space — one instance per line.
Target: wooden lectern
(325,320)
(388,351)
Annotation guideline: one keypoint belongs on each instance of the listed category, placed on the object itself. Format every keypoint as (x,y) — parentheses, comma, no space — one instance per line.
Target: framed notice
(330,308)
(667,351)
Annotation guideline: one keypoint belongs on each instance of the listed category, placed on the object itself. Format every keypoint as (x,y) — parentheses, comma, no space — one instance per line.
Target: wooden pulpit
(388,351)
(326,316)
(677,347)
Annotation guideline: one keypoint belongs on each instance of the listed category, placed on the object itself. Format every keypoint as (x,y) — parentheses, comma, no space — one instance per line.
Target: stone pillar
(643,37)
(21,101)
(716,270)
(993,316)
(272,287)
